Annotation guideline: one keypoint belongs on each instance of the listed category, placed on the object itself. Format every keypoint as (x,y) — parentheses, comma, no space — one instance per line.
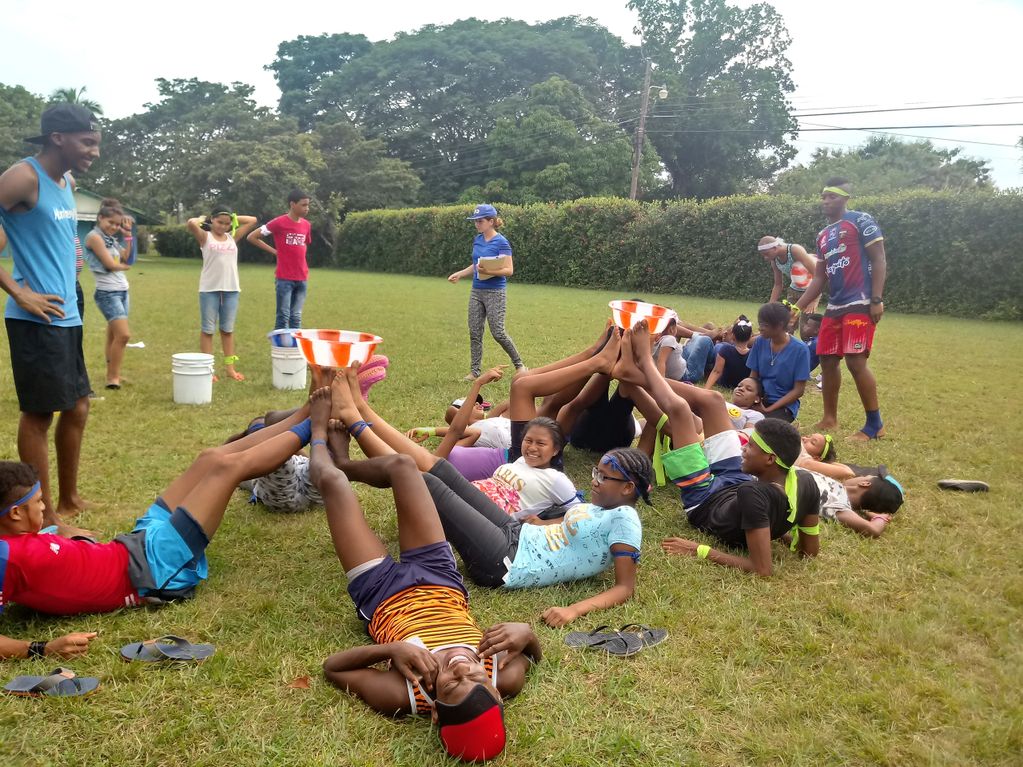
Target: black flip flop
(612,642)
(964,485)
(167,648)
(648,636)
(589,638)
(59,683)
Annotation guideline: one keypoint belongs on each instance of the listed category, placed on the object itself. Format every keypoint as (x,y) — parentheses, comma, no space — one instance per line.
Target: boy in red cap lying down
(417,610)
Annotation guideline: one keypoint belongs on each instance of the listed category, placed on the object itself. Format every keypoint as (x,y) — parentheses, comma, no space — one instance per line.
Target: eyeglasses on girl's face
(599,477)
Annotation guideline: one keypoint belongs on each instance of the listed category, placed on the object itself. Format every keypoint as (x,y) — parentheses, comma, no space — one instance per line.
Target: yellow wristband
(815,530)
(702,551)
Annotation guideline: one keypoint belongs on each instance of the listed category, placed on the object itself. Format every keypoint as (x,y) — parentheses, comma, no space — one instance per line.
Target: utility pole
(637,154)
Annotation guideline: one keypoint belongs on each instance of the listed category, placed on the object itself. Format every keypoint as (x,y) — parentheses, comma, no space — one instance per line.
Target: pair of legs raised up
(679,401)
(354,540)
(205,488)
(567,375)
(560,383)
(478,528)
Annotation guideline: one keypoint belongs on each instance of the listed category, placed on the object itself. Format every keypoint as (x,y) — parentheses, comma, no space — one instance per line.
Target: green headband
(791,481)
(836,190)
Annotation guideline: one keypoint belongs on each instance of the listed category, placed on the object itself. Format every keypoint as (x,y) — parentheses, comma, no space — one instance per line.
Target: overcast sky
(865,55)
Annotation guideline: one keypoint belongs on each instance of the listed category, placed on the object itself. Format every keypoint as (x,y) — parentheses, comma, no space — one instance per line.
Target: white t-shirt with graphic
(219,265)
(519,488)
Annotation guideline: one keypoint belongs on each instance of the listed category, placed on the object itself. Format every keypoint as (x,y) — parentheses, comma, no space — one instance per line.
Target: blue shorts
(113,304)
(218,307)
(700,471)
(167,552)
(431,565)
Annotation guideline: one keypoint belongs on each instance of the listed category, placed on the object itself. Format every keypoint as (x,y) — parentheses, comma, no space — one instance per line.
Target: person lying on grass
(819,454)
(473,460)
(531,481)
(287,489)
(483,428)
(416,610)
(162,559)
(861,503)
(746,496)
(501,551)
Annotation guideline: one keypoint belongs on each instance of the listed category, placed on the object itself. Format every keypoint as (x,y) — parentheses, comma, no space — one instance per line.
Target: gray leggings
(488,305)
(481,532)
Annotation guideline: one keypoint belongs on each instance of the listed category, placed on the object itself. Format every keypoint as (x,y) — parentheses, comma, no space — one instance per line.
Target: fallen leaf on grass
(299,683)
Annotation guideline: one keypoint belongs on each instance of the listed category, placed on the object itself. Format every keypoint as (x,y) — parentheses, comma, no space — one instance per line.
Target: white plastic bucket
(193,378)
(289,367)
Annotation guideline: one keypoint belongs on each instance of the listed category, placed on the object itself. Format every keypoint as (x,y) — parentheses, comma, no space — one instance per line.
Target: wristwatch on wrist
(877,300)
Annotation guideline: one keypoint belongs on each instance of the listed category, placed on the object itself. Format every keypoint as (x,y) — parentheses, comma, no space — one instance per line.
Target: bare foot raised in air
(338,440)
(608,356)
(319,411)
(641,346)
(625,369)
(344,404)
(352,376)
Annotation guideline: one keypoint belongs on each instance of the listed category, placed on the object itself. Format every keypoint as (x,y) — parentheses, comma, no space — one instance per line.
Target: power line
(840,128)
(909,109)
(933,138)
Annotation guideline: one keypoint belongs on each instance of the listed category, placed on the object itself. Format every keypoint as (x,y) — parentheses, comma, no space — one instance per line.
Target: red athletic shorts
(848,334)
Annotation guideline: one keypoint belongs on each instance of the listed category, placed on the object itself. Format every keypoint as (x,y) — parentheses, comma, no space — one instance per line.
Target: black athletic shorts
(48,366)
(605,425)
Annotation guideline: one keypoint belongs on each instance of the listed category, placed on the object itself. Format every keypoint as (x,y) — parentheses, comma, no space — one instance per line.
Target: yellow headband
(791,481)
(828,444)
(836,190)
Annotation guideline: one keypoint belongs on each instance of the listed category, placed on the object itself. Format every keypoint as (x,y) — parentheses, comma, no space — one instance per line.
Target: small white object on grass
(137,345)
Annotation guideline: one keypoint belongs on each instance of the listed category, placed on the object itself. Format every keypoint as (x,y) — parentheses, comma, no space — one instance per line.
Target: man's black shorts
(48,365)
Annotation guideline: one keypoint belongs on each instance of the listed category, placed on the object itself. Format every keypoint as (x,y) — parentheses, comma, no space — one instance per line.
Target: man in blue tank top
(44,328)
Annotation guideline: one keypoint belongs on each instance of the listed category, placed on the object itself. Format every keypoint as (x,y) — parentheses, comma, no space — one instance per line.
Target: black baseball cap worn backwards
(64,118)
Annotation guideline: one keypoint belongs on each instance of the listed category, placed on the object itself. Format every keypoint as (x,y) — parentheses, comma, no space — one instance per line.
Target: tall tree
(726,123)
(357,174)
(205,142)
(554,146)
(19,118)
(303,63)
(75,96)
(152,157)
(885,164)
(433,94)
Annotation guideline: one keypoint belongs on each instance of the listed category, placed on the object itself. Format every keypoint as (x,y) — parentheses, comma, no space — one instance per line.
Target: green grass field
(900,651)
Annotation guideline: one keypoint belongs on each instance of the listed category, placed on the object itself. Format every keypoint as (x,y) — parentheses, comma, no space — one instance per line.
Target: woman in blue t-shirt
(780,362)
(490,269)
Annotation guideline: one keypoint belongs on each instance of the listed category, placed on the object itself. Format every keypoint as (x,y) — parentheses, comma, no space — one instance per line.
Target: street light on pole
(637,155)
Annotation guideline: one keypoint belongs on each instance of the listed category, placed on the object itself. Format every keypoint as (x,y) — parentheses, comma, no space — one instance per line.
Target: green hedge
(959,254)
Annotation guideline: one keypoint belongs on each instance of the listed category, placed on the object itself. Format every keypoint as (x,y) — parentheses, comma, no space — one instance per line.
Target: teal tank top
(42,242)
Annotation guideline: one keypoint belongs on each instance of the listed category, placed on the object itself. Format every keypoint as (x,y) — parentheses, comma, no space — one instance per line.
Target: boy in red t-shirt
(291,233)
(163,558)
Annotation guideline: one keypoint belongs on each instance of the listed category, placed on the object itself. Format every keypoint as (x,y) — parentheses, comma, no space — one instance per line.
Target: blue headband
(890,478)
(642,486)
(32,491)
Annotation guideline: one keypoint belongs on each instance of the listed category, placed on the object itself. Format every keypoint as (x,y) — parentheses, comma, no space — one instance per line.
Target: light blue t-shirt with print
(578,547)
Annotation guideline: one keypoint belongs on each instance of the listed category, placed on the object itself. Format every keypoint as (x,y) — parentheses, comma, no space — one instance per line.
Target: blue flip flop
(59,683)
(167,648)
